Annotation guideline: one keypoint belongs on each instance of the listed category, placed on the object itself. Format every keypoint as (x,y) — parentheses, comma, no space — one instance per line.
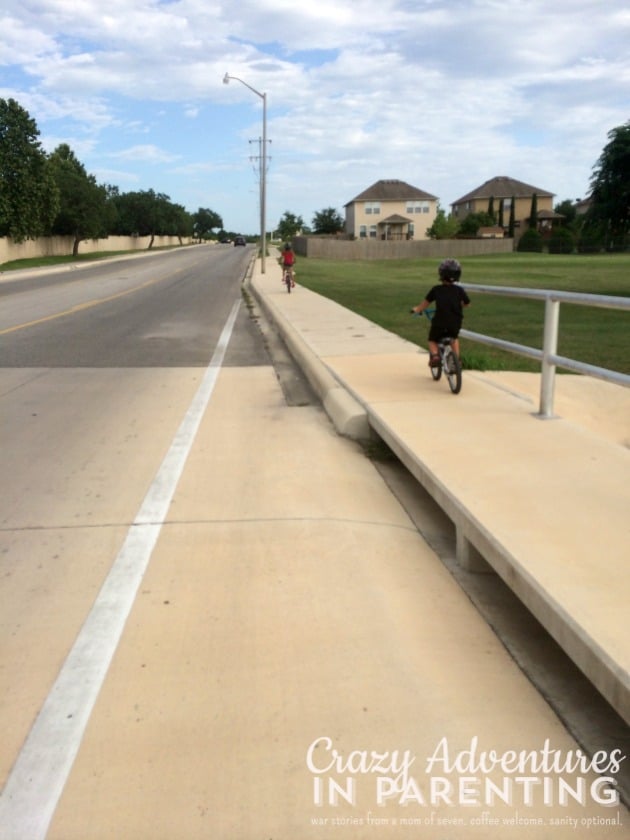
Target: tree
(473,221)
(328,221)
(205,221)
(512,222)
(145,213)
(28,196)
(289,226)
(491,209)
(609,214)
(531,240)
(567,209)
(561,241)
(533,212)
(83,204)
(443,227)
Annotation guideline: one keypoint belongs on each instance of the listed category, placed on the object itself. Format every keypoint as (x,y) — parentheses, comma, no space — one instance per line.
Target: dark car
(239,240)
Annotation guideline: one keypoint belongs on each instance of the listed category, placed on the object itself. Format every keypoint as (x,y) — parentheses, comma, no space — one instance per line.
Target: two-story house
(503,191)
(391,209)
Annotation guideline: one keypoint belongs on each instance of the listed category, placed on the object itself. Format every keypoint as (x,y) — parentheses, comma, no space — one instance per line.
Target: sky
(442,94)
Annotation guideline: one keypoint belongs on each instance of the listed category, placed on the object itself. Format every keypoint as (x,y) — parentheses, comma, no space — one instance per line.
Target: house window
(372,231)
(362,232)
(410,230)
(372,207)
(417,207)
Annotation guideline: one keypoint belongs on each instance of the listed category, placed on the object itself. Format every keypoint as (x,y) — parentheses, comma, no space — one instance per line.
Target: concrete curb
(348,416)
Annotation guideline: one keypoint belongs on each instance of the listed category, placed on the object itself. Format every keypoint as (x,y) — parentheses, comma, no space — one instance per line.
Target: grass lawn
(385,290)
(38,262)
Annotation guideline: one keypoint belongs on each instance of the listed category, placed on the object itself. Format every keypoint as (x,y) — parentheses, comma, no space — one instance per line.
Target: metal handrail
(548,355)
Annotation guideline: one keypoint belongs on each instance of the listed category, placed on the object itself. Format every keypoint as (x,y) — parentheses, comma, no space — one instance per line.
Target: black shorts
(444,329)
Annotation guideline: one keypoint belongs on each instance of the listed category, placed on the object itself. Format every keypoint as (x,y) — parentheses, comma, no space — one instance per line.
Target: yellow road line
(79,307)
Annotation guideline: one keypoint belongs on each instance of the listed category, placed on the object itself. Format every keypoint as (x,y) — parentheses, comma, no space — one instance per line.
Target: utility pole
(261,161)
(263,170)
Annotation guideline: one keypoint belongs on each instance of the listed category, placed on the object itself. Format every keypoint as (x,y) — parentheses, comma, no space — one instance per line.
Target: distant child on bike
(287,260)
(449,301)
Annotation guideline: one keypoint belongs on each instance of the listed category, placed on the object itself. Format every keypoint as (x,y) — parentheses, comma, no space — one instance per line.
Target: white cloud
(441,93)
(146,153)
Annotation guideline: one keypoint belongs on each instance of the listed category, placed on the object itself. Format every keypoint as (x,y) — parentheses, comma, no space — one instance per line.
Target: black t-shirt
(449,299)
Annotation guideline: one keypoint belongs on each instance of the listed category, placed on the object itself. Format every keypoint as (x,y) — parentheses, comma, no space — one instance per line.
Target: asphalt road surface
(164,310)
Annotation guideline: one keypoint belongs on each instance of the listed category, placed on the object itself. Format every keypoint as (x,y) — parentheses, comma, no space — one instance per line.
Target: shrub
(531,240)
(561,241)
(591,241)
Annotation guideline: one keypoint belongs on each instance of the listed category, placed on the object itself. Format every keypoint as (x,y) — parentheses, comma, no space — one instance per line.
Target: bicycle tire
(287,281)
(436,372)
(454,371)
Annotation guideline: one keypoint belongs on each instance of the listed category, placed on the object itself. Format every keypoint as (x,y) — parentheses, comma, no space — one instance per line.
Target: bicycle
(450,363)
(287,277)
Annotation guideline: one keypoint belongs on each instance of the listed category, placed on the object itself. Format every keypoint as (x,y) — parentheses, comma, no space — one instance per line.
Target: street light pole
(263,169)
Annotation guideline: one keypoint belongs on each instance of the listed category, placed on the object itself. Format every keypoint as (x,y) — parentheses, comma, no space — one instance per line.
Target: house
(502,191)
(391,209)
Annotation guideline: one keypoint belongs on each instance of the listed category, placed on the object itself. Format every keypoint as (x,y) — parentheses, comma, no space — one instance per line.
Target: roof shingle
(502,187)
(392,190)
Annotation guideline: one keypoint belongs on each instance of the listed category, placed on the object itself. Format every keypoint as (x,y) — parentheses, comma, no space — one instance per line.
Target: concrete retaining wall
(377,249)
(61,246)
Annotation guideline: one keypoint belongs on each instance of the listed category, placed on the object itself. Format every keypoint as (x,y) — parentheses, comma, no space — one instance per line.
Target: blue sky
(443,94)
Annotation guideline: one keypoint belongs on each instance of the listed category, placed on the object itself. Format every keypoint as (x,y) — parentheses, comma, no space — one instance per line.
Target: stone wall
(61,246)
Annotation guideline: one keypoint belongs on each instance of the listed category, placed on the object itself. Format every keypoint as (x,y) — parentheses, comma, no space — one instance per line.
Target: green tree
(533,212)
(328,221)
(205,221)
(491,209)
(83,204)
(512,222)
(289,226)
(28,196)
(444,227)
(567,209)
(531,240)
(473,221)
(609,214)
(501,221)
(561,241)
(179,222)
(145,213)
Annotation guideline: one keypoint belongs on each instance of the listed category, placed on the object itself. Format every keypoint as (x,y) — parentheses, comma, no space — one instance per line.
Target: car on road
(239,240)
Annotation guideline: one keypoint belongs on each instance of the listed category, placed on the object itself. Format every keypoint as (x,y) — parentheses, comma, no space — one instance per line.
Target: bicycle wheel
(287,281)
(436,372)
(454,371)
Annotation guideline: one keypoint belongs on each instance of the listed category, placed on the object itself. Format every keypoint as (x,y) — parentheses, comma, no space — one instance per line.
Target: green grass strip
(384,290)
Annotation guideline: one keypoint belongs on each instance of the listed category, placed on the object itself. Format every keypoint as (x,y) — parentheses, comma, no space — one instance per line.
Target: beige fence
(61,246)
(377,249)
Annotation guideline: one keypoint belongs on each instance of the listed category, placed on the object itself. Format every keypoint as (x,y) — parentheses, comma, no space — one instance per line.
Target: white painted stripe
(38,777)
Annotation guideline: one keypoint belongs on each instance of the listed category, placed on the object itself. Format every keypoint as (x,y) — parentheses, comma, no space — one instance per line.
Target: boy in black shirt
(450,301)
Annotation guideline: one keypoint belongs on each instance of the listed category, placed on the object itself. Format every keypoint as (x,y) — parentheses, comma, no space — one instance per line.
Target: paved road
(205,592)
(165,310)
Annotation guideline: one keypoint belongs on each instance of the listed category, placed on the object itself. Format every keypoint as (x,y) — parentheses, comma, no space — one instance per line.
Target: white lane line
(38,777)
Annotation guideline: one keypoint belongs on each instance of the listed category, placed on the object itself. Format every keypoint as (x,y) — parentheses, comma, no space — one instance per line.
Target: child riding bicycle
(287,261)
(449,301)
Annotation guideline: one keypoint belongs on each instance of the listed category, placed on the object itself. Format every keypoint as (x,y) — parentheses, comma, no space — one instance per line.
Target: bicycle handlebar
(428,312)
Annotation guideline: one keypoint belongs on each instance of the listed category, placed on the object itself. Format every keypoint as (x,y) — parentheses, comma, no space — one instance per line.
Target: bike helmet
(287,247)
(450,270)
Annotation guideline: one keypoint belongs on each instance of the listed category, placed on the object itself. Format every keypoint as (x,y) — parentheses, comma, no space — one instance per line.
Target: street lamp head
(226,79)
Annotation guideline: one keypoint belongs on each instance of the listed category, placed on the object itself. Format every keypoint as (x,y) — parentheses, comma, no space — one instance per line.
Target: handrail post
(550,348)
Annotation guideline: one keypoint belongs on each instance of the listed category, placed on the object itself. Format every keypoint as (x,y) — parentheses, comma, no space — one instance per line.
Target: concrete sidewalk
(544,503)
